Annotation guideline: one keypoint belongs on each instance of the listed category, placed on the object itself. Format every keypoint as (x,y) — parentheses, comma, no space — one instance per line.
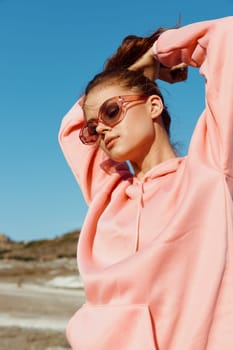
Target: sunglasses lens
(88,134)
(110,112)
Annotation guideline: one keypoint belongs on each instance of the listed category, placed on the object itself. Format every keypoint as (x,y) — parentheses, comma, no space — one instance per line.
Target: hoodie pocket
(115,327)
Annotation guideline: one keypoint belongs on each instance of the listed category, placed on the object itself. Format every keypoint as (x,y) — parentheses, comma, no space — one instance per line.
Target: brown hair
(131,49)
(115,70)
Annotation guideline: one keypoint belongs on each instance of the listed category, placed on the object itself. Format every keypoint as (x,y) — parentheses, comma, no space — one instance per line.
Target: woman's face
(132,138)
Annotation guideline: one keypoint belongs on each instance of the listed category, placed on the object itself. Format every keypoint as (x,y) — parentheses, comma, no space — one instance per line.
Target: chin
(117,157)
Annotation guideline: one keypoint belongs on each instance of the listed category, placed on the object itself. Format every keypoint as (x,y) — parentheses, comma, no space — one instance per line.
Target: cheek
(140,129)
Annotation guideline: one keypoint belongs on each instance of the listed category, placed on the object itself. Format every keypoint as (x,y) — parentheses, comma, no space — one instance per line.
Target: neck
(159,153)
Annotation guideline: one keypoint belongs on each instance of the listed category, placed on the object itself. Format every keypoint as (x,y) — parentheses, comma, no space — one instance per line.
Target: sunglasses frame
(123,102)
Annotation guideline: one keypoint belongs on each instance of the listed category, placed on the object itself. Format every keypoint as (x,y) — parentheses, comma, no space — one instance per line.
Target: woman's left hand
(148,64)
(154,70)
(173,74)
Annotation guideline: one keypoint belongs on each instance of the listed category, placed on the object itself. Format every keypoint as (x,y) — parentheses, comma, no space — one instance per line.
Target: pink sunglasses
(111,112)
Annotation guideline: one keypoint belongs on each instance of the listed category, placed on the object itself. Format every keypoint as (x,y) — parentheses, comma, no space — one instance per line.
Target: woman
(156,248)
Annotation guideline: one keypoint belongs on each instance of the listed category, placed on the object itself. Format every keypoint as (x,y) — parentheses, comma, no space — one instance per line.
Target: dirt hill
(40,250)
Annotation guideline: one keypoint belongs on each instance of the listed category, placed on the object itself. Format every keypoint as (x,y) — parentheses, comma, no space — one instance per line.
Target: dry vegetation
(47,249)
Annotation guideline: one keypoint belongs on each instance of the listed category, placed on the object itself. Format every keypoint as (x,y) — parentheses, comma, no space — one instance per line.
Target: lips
(110,141)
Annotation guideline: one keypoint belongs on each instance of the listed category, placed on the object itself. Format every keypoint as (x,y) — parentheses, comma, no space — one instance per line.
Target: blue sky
(49,50)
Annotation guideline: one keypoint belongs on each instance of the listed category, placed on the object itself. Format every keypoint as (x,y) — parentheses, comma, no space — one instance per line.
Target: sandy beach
(36,302)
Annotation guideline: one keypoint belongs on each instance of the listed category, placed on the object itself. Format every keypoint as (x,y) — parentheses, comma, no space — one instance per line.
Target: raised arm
(209,46)
(92,169)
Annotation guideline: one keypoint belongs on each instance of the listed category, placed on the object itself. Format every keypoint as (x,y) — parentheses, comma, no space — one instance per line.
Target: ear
(155,106)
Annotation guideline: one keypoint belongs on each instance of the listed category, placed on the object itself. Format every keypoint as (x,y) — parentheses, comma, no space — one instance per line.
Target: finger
(181,66)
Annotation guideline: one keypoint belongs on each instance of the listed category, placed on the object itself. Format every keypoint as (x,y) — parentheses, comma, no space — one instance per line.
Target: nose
(102,128)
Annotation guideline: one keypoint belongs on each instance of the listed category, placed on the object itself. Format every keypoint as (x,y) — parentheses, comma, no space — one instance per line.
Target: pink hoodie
(156,255)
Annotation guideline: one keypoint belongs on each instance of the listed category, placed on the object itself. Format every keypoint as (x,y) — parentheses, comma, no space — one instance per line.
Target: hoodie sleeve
(89,164)
(209,46)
